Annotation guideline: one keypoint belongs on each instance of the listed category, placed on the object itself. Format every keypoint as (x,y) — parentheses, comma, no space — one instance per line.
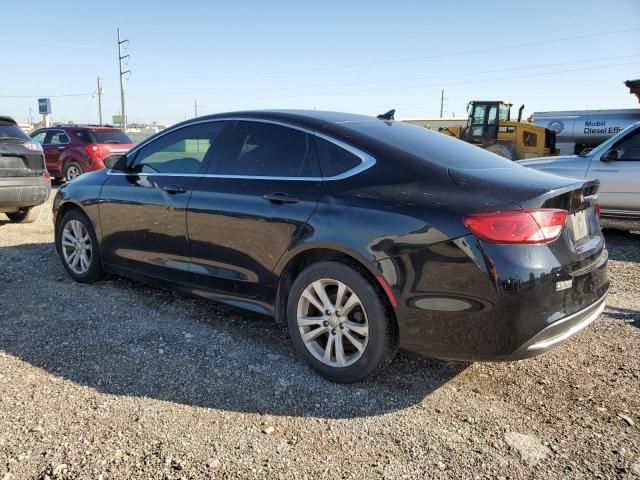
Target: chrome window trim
(366,160)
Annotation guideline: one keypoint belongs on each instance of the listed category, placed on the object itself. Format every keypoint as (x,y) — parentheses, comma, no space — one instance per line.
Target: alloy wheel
(73,172)
(76,247)
(332,323)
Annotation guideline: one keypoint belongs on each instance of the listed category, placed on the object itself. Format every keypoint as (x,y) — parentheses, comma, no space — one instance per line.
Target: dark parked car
(72,150)
(25,183)
(362,234)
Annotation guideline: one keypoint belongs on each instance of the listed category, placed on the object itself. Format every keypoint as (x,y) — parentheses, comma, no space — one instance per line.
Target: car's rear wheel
(78,247)
(26,214)
(340,323)
(72,170)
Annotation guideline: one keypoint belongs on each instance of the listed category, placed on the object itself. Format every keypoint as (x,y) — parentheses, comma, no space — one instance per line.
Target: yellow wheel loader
(489,126)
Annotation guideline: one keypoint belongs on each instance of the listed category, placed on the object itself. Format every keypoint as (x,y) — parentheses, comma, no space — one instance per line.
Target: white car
(616,163)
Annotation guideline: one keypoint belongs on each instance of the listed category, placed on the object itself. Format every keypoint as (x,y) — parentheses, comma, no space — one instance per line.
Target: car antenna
(387,116)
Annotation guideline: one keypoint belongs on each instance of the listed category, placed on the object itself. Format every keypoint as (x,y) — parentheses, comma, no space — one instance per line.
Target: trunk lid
(18,161)
(581,244)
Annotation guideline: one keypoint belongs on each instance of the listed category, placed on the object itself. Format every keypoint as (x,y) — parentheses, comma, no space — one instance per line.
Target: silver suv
(616,163)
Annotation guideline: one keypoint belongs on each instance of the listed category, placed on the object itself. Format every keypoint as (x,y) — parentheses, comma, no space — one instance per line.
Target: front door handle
(280,198)
(174,189)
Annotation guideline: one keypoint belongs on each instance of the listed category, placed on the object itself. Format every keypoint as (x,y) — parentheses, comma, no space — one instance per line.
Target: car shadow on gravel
(124,338)
(627,315)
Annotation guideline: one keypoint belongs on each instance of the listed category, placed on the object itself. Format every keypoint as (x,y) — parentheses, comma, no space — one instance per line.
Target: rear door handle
(174,189)
(61,148)
(280,198)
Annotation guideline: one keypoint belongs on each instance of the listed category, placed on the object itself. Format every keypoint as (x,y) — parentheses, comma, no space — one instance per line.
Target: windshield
(105,136)
(431,146)
(11,131)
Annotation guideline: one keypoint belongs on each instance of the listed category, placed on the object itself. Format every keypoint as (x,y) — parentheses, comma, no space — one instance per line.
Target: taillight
(542,225)
(597,208)
(93,151)
(46,175)
(33,146)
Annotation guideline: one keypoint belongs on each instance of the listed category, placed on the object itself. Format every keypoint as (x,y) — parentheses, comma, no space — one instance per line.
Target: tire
(72,170)
(503,150)
(89,269)
(371,313)
(26,214)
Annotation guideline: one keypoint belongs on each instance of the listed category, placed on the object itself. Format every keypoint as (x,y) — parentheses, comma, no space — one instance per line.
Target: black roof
(313,119)
(10,120)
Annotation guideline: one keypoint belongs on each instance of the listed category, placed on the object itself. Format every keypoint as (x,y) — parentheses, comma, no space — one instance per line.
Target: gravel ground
(118,380)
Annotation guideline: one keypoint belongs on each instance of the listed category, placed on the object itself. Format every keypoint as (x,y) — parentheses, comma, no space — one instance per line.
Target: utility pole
(121,57)
(441,103)
(99,102)
(195,107)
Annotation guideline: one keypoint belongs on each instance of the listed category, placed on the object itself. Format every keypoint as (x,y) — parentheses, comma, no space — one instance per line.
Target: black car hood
(523,186)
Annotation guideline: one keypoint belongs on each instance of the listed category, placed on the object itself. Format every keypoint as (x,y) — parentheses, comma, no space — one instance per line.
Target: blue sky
(357,56)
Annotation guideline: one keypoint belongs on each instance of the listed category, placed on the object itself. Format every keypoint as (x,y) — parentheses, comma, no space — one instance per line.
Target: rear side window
(84,136)
(335,160)
(11,131)
(433,147)
(259,149)
(57,137)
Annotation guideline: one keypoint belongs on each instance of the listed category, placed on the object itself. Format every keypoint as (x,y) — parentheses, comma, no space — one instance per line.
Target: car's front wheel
(340,322)
(78,246)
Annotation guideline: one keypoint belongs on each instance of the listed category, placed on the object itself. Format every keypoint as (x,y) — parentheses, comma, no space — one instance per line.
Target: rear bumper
(560,331)
(21,192)
(471,301)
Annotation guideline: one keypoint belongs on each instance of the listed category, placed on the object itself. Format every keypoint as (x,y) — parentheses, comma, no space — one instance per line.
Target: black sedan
(362,234)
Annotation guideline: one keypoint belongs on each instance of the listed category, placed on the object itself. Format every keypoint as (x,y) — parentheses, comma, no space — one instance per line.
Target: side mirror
(610,155)
(117,162)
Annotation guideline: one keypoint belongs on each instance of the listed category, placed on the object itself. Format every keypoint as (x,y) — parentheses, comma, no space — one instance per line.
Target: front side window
(505,112)
(629,148)
(181,151)
(492,119)
(39,137)
(259,149)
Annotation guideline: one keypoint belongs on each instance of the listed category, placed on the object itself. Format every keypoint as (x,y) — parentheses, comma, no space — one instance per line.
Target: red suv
(71,150)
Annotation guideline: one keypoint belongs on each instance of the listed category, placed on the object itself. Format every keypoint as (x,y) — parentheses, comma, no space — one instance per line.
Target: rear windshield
(11,131)
(103,136)
(433,147)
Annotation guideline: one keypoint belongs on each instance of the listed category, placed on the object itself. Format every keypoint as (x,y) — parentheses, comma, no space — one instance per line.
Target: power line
(404,79)
(413,87)
(409,59)
(49,96)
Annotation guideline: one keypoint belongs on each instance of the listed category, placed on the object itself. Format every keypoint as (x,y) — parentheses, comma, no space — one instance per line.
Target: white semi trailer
(577,130)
